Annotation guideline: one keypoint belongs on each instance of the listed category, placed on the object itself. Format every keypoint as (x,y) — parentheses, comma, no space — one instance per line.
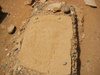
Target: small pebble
(64,63)
(6,49)
(15,49)
(83,36)
(11,29)
(8,54)
(88,61)
(4,66)
(66,9)
(36,9)
(21,29)
(20,68)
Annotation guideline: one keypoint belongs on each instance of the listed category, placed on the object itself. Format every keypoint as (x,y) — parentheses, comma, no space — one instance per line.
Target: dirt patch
(47,45)
(47,42)
(15,12)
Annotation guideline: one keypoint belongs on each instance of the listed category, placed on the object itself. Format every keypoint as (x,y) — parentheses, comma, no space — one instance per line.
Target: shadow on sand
(2,15)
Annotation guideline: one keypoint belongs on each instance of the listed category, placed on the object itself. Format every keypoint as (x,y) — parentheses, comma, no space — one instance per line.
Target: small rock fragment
(54,7)
(83,36)
(88,61)
(6,49)
(91,3)
(4,66)
(66,9)
(3,26)
(11,29)
(64,63)
(20,69)
(22,28)
(15,49)
(8,54)
(72,9)
(35,9)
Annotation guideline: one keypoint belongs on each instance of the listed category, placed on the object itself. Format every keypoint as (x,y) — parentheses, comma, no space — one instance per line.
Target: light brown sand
(47,44)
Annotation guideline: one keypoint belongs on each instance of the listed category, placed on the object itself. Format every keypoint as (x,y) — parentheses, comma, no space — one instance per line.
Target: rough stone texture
(47,44)
(54,7)
(8,54)
(72,9)
(66,9)
(90,3)
(11,29)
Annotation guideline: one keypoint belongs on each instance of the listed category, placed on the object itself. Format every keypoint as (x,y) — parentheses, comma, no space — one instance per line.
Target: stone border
(74,49)
(74,41)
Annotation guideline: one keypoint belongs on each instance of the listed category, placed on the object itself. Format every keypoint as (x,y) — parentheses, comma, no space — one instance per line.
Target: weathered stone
(54,7)
(15,49)
(64,63)
(6,49)
(8,54)
(83,36)
(88,61)
(72,9)
(66,9)
(90,3)
(20,68)
(11,29)
(35,9)
(4,66)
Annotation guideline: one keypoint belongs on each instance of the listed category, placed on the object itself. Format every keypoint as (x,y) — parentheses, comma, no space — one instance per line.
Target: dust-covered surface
(17,13)
(47,44)
(43,45)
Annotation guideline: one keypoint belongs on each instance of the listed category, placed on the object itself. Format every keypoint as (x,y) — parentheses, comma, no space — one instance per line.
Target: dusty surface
(18,13)
(47,45)
(89,48)
(91,44)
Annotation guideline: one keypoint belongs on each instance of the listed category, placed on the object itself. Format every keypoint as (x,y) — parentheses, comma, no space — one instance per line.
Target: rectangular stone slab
(47,44)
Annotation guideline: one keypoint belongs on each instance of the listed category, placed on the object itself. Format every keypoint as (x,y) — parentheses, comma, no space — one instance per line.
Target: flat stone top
(47,44)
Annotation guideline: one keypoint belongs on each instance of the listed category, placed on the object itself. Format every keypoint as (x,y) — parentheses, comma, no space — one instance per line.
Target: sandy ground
(17,13)
(47,45)
(91,44)
(89,48)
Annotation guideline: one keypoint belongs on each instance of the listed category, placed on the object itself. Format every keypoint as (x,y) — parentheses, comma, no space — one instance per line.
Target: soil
(89,61)
(15,13)
(48,46)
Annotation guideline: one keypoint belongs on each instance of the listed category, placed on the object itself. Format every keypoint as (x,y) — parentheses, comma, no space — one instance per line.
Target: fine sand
(47,44)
